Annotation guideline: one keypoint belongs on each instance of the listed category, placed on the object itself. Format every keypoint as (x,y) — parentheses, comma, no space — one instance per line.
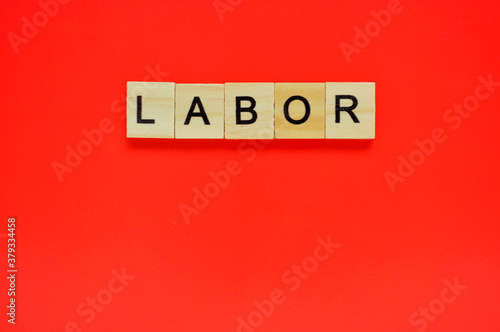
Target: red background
(119,208)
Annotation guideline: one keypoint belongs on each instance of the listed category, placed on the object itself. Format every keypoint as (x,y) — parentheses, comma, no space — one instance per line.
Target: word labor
(251,110)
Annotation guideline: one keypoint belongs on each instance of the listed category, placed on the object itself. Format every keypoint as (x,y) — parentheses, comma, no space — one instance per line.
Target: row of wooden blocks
(251,110)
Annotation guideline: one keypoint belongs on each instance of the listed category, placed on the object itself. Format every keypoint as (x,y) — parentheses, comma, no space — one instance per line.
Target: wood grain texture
(211,97)
(314,126)
(364,111)
(157,104)
(263,127)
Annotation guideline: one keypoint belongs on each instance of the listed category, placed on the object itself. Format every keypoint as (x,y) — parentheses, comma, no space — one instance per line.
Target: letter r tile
(350,110)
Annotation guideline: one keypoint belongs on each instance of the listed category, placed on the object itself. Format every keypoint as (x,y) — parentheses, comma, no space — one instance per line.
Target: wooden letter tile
(150,109)
(249,111)
(350,110)
(199,111)
(299,110)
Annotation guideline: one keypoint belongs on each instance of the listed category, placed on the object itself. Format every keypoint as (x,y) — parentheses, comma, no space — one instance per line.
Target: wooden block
(150,109)
(199,111)
(249,112)
(350,110)
(299,110)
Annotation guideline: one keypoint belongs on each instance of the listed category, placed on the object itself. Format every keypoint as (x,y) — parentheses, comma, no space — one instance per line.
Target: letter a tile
(199,111)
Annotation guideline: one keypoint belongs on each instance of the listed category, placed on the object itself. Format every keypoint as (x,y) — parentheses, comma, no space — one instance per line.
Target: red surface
(119,207)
